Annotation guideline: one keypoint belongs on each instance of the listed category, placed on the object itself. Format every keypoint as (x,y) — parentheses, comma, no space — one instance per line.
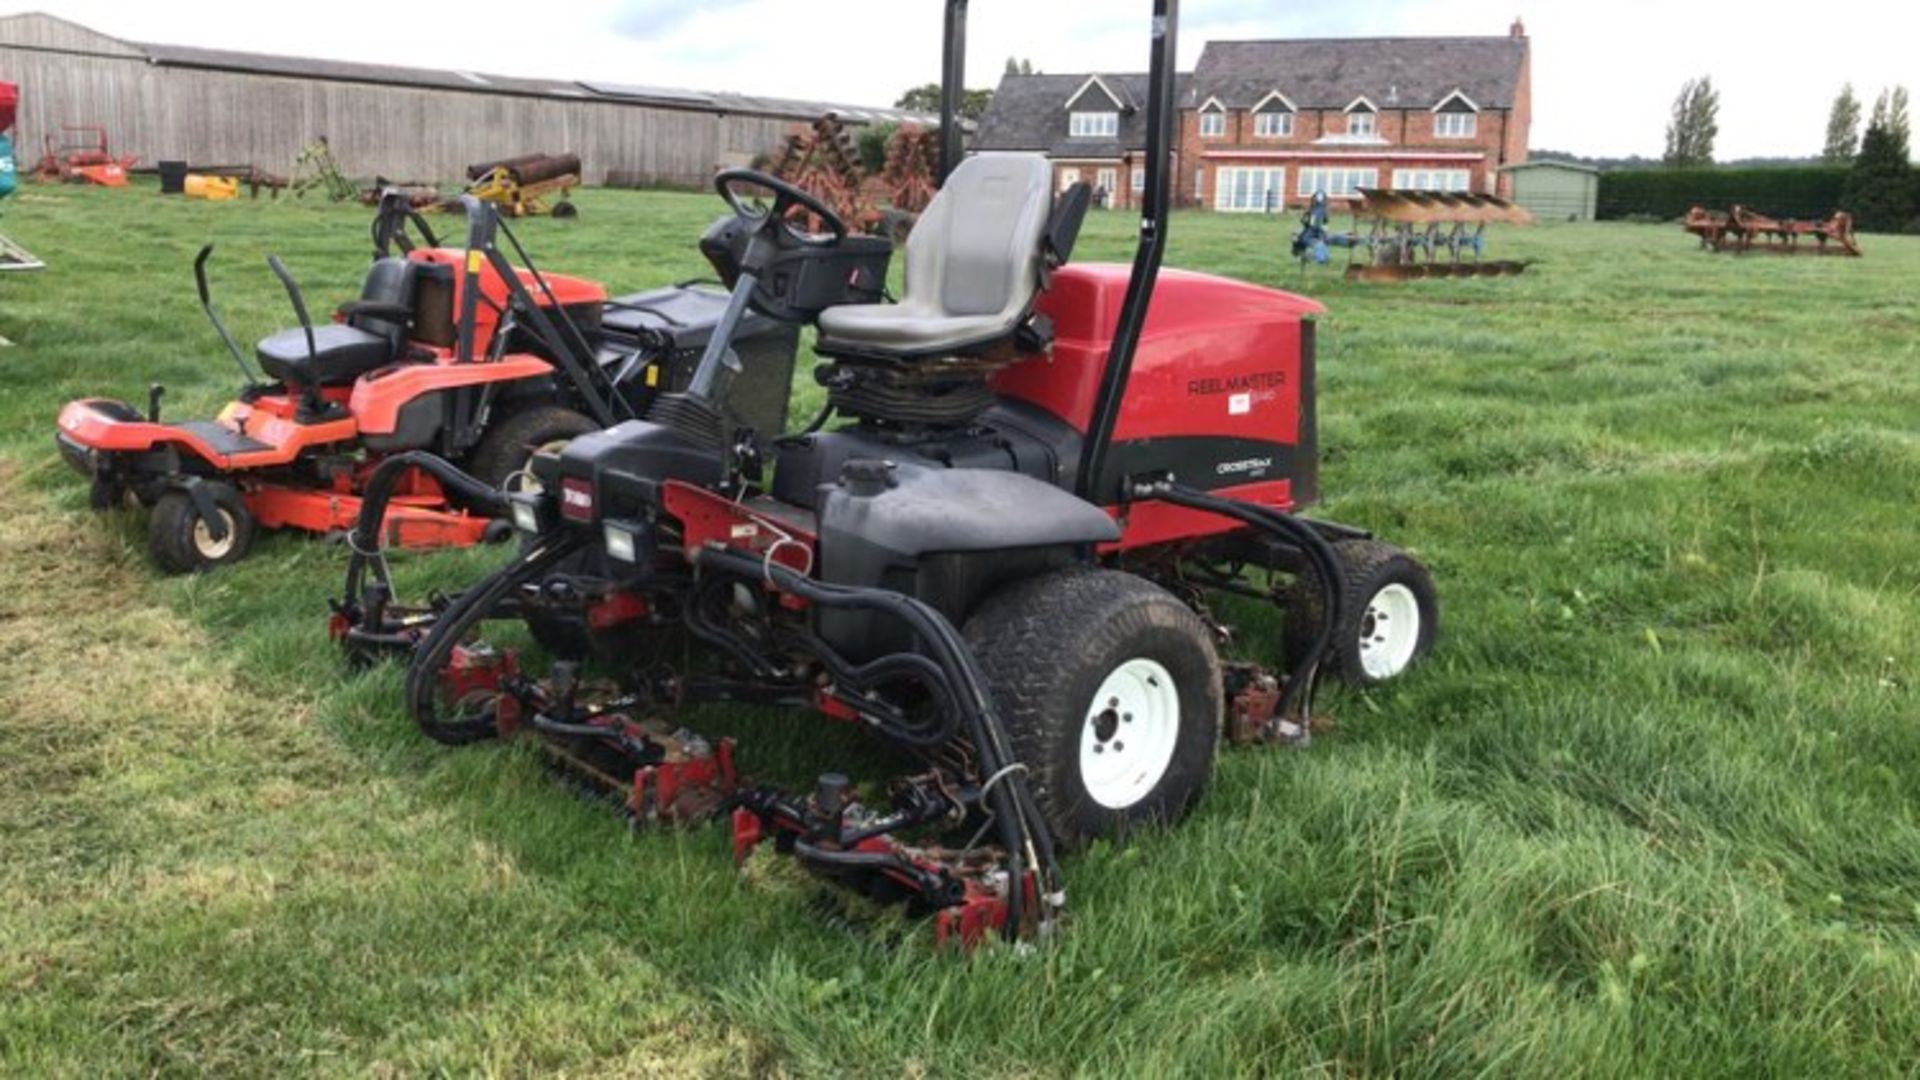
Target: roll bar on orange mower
(1157,199)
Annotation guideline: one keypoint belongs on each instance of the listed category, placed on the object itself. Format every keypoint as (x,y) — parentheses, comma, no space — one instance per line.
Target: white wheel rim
(206,545)
(1389,631)
(1128,734)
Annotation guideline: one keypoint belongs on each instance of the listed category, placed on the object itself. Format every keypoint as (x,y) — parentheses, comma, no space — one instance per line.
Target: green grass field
(1649,810)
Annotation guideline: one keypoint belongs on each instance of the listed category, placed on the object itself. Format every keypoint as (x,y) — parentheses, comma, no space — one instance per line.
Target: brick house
(1263,125)
(1093,127)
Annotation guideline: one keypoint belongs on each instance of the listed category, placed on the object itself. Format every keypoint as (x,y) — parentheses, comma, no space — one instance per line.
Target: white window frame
(1249,189)
(1213,122)
(1354,122)
(1093,125)
(1453,180)
(1107,179)
(1138,182)
(1338,181)
(1455,125)
(1200,185)
(1263,127)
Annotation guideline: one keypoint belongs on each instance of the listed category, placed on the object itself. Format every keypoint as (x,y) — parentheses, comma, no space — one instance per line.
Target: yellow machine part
(214,188)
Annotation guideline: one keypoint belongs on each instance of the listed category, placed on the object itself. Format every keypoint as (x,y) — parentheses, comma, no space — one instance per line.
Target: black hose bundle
(1297,696)
(364,539)
(467,611)
(1023,832)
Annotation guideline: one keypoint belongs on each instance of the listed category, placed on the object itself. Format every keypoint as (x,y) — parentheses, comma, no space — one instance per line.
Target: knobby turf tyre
(511,440)
(181,543)
(1082,659)
(1383,583)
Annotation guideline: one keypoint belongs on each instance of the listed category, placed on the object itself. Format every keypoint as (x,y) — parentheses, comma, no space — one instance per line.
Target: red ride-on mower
(1005,560)
(450,349)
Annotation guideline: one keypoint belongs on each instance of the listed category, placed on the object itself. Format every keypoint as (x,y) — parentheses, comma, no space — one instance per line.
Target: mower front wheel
(1389,612)
(1109,688)
(182,542)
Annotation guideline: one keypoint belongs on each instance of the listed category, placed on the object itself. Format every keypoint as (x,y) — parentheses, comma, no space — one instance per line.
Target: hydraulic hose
(467,611)
(364,539)
(1298,692)
(1023,832)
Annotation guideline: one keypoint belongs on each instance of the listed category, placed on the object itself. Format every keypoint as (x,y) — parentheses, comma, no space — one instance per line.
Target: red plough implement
(1739,230)
(822,160)
(81,155)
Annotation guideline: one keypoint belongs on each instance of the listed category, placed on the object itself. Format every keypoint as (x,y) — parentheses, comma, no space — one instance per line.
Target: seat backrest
(977,250)
(389,281)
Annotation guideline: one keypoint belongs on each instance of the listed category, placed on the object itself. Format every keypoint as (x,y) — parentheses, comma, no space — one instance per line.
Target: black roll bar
(1157,200)
(953,87)
(1089,484)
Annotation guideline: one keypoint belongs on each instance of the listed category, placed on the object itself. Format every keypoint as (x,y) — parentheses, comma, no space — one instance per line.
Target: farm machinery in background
(519,185)
(1738,229)
(1410,234)
(82,155)
(316,169)
(12,255)
(823,160)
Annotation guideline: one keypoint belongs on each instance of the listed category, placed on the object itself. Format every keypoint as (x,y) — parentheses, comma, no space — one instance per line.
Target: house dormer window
(1213,120)
(1094,125)
(1273,117)
(1456,117)
(1093,112)
(1361,119)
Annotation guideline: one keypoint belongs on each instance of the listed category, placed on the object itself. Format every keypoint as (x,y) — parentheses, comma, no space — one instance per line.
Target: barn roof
(1331,73)
(38,30)
(1029,112)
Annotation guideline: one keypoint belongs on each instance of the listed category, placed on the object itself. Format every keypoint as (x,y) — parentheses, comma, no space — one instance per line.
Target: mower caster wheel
(565,211)
(1110,690)
(497,532)
(182,543)
(1389,613)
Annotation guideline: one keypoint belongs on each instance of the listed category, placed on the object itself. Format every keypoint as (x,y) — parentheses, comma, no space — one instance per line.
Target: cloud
(652,18)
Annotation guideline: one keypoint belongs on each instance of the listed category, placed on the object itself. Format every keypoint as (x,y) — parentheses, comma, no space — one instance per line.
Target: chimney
(1518,29)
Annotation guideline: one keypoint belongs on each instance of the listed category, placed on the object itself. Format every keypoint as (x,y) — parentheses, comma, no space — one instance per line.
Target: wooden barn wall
(402,133)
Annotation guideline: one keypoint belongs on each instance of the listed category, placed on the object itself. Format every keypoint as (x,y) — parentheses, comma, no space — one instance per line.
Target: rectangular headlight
(623,541)
(526,511)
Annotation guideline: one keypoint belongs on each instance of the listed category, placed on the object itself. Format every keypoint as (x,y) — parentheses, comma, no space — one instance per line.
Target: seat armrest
(1063,227)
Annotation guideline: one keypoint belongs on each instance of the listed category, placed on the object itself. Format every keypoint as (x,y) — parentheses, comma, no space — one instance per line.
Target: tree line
(1882,190)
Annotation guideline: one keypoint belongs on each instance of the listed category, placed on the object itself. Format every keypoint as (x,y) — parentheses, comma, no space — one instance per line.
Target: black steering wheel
(785,198)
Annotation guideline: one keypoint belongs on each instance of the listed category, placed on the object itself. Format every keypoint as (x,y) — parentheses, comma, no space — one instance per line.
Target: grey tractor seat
(973,266)
(341,354)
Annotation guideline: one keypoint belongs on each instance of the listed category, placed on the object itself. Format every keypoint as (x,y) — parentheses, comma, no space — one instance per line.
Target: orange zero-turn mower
(454,350)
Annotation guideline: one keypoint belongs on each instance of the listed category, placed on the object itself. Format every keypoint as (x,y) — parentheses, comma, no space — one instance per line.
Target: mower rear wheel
(510,442)
(1389,613)
(181,541)
(1110,690)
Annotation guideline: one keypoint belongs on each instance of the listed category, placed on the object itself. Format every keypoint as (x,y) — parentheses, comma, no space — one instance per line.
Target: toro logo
(1236,384)
(576,499)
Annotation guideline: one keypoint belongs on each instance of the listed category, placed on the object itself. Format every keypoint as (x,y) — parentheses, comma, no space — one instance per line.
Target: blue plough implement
(1410,234)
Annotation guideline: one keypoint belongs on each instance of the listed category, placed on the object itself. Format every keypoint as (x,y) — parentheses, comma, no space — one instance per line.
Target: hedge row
(1791,191)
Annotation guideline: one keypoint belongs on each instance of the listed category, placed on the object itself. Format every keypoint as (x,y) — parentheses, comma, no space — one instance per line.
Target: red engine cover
(1215,391)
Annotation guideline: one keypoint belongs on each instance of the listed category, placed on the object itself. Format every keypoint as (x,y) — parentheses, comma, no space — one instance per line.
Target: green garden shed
(1555,190)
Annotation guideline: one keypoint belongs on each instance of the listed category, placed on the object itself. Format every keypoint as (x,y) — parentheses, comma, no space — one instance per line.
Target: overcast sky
(1604,74)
